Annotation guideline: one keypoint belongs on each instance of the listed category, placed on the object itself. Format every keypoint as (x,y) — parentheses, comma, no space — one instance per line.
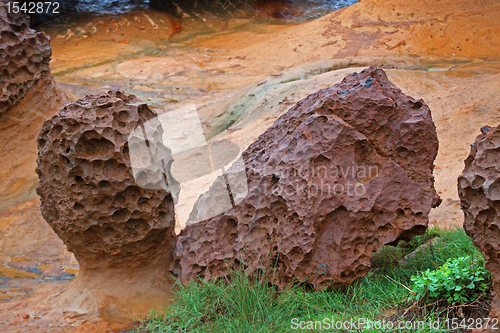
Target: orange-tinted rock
(343,172)
(24,58)
(479,192)
(88,193)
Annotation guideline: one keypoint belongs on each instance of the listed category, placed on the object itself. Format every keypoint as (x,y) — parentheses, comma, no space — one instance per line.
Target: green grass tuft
(240,303)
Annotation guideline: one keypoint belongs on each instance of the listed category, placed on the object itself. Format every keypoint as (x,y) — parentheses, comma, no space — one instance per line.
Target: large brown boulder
(24,59)
(121,233)
(343,172)
(479,192)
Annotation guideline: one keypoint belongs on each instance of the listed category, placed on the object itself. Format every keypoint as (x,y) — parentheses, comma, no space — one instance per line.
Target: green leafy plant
(458,280)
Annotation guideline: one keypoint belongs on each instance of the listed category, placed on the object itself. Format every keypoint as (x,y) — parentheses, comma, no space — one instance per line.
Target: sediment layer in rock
(342,173)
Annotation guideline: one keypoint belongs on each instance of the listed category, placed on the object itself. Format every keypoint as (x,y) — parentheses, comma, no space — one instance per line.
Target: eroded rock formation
(479,191)
(24,58)
(120,233)
(88,192)
(343,172)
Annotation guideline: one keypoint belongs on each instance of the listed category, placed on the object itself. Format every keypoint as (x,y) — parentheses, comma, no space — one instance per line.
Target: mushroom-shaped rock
(345,171)
(479,192)
(121,233)
(24,58)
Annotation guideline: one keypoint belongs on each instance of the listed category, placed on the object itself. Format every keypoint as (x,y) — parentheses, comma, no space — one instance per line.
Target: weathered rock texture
(479,192)
(88,193)
(343,172)
(24,58)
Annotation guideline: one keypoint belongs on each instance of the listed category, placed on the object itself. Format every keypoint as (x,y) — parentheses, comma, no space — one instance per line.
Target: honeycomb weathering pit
(479,192)
(24,58)
(88,193)
(345,171)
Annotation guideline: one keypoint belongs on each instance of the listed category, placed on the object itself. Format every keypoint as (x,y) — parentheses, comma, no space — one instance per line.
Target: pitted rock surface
(345,171)
(24,58)
(87,190)
(479,192)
